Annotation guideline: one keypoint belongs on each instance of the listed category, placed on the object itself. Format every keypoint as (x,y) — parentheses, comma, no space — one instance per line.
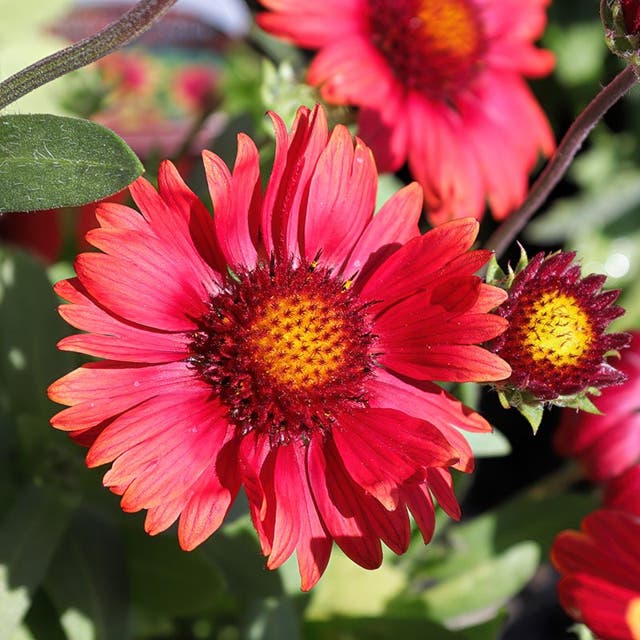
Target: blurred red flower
(600,569)
(607,444)
(439,83)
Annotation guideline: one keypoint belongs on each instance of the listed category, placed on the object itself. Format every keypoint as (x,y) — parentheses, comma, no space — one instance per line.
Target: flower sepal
(527,404)
(497,277)
(580,401)
(532,409)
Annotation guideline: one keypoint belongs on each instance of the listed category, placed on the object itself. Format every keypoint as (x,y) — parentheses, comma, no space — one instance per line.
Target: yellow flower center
(448,26)
(633,618)
(558,331)
(298,341)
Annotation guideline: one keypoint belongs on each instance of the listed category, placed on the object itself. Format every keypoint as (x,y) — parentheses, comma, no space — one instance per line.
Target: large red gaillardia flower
(600,568)
(439,83)
(287,345)
(607,444)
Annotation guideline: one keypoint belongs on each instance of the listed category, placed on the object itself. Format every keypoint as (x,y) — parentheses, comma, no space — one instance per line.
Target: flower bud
(556,342)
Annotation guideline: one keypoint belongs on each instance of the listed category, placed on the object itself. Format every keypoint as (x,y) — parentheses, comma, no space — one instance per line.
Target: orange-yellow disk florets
(298,340)
(555,342)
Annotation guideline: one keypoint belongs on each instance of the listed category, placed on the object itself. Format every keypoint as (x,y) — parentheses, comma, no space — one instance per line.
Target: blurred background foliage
(74,567)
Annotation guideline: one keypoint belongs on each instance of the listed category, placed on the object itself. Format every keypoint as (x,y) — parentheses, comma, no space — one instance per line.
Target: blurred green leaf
(271,619)
(88,581)
(593,210)
(29,330)
(347,589)
(488,445)
(582,632)
(167,580)
(235,551)
(54,161)
(388,184)
(483,586)
(580,51)
(489,630)
(485,561)
(29,536)
(378,628)
(42,621)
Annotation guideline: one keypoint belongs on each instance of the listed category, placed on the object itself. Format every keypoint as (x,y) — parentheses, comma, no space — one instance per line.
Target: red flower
(623,491)
(600,568)
(438,82)
(607,444)
(556,342)
(286,344)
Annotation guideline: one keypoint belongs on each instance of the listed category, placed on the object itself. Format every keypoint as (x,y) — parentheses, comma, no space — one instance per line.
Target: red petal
(342,196)
(180,198)
(420,257)
(393,226)
(441,485)
(383,448)
(213,494)
(604,607)
(449,362)
(341,504)
(112,337)
(297,523)
(287,191)
(256,462)
(236,202)
(99,391)
(161,517)
(421,505)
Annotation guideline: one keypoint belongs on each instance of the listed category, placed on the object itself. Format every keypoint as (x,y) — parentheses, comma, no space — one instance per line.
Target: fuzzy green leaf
(48,162)
(29,535)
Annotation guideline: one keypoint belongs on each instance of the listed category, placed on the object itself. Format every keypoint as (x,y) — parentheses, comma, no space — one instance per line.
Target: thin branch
(557,166)
(120,32)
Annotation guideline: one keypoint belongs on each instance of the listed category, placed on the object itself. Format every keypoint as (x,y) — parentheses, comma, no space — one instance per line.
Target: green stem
(132,23)
(561,159)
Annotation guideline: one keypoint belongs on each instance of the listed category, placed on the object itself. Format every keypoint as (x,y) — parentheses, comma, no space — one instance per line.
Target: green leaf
(29,536)
(349,590)
(271,619)
(488,445)
(377,628)
(50,161)
(29,330)
(235,551)
(42,622)
(582,632)
(88,582)
(167,580)
(486,585)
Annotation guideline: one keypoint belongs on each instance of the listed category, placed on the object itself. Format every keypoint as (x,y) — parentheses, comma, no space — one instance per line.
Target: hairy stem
(132,23)
(561,159)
